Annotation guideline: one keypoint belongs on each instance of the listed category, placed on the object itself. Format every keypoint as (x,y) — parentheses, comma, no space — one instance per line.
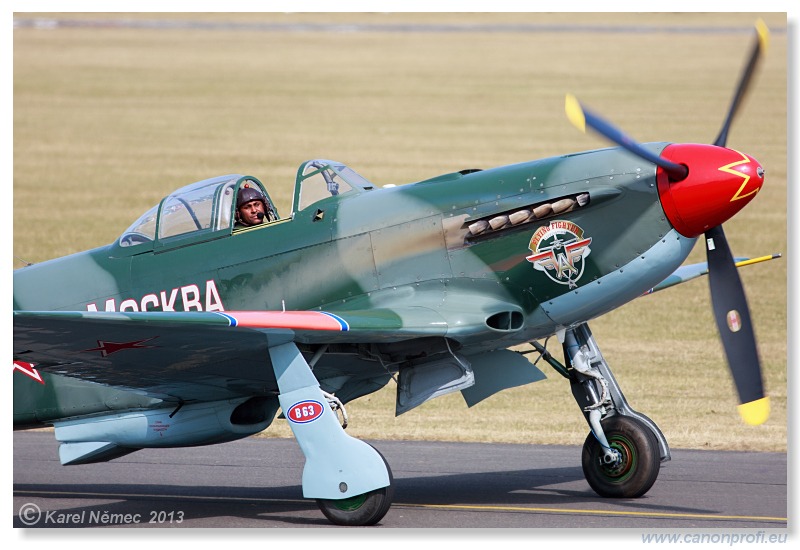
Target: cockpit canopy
(207,208)
(199,208)
(320,179)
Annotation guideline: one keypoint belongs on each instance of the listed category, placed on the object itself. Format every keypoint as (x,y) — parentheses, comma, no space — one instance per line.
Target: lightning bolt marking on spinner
(729,169)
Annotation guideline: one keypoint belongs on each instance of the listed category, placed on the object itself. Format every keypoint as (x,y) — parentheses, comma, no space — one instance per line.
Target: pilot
(252,207)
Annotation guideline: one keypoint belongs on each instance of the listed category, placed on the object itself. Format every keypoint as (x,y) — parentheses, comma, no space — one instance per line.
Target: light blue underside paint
(337,466)
(627,283)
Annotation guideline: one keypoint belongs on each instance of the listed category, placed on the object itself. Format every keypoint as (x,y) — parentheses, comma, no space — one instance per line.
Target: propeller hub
(719,183)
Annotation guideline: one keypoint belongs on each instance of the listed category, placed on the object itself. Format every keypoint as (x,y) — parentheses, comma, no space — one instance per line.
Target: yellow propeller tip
(575,113)
(755,412)
(763,34)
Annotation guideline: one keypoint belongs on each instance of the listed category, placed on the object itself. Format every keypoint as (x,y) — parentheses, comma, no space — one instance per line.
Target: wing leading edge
(687,273)
(195,355)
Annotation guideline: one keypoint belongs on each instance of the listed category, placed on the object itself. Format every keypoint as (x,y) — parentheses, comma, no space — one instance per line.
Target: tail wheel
(360,510)
(634,473)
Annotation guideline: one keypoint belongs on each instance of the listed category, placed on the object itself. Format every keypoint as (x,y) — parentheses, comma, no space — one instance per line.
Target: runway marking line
(579,511)
(481,508)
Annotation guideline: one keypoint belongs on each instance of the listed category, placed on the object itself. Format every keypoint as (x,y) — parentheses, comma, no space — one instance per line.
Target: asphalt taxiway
(255,482)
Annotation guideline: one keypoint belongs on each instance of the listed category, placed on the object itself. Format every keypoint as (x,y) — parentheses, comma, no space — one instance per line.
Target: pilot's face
(249,211)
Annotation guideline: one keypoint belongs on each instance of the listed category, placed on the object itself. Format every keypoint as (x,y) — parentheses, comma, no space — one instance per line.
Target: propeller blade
(735,327)
(759,47)
(729,302)
(580,117)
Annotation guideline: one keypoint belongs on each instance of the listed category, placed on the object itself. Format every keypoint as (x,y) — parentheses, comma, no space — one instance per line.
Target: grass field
(107,120)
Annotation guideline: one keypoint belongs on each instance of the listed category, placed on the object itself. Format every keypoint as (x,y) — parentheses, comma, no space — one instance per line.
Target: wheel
(360,510)
(639,464)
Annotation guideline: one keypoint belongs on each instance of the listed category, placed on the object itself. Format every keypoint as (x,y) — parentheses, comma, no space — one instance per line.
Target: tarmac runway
(255,482)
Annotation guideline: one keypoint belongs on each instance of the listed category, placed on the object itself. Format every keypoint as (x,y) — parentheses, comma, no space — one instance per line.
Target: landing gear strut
(623,452)
(349,479)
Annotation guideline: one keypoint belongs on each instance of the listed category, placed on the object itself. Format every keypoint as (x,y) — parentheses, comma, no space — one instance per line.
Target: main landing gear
(349,479)
(623,452)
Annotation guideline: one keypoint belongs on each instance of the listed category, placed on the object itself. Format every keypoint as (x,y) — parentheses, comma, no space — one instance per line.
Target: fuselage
(382,246)
(461,247)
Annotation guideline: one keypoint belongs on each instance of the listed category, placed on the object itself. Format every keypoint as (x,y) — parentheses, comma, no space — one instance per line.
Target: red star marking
(107,348)
(28,370)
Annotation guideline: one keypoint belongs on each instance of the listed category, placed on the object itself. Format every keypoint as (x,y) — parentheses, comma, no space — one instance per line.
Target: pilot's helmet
(247,193)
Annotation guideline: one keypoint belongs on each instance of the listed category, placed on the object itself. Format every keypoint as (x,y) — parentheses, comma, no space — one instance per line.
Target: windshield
(320,179)
(142,230)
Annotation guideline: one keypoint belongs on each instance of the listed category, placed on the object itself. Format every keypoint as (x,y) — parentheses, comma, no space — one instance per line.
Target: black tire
(638,468)
(360,510)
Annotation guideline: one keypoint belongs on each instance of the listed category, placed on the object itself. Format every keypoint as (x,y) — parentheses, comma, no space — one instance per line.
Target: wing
(688,272)
(195,355)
